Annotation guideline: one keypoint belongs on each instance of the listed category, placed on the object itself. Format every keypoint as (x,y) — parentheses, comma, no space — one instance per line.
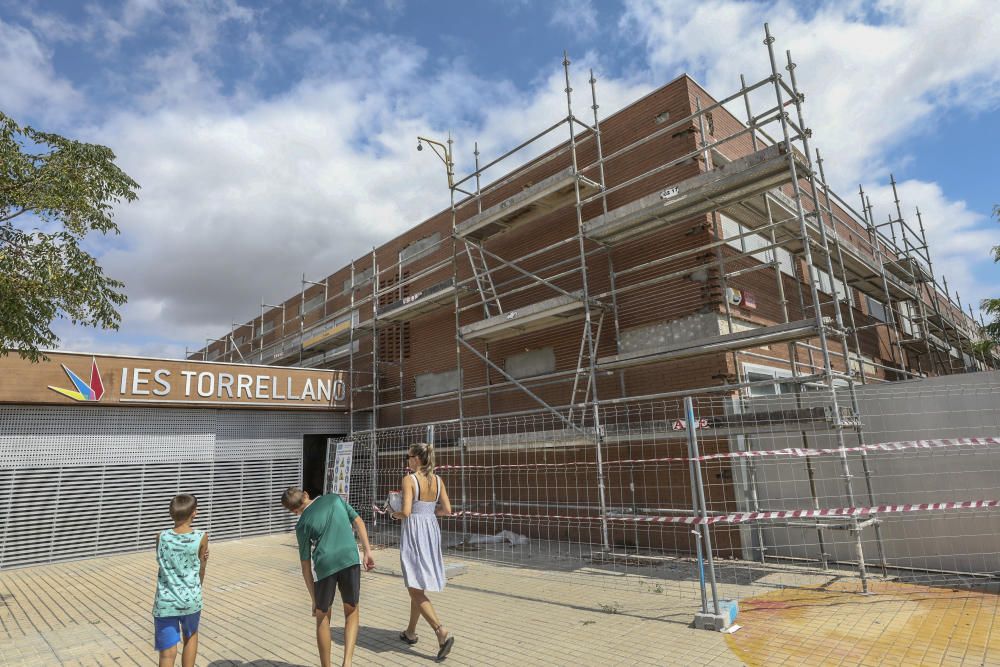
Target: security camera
(420,146)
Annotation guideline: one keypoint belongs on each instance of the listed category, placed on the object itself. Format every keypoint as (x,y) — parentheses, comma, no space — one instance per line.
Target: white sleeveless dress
(420,544)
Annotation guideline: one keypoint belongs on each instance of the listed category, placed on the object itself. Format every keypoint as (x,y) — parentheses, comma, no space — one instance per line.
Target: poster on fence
(338,474)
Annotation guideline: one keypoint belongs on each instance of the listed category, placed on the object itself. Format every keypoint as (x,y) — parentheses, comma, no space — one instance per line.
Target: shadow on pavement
(380,640)
(253,663)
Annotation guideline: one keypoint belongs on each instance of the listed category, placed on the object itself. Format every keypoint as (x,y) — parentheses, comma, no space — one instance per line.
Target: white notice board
(338,474)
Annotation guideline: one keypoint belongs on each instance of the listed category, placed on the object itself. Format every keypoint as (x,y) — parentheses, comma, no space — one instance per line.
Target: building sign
(142,381)
(338,474)
(83,391)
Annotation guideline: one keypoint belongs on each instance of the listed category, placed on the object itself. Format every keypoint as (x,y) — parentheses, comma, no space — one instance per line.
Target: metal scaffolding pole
(588,317)
(807,252)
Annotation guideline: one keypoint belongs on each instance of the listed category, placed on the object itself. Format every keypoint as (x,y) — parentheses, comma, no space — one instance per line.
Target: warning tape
(936,443)
(742,517)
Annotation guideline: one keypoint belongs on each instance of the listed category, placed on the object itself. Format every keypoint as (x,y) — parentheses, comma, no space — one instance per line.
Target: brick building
(669,248)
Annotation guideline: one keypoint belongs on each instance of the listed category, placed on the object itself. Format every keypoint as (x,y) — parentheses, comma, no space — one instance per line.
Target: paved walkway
(96,612)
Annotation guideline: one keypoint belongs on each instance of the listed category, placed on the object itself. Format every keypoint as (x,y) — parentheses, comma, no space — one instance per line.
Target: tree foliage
(53,193)
(991,308)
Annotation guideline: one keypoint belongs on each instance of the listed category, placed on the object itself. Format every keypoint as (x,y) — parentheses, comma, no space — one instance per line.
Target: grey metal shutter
(78,482)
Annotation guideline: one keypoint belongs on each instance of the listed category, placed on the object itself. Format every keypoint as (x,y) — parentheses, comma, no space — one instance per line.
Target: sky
(277,139)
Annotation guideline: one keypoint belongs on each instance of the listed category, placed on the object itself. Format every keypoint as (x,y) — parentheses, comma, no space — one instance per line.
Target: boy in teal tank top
(181,553)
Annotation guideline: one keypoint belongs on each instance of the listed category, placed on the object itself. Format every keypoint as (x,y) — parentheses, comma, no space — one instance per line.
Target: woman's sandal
(445,648)
(411,642)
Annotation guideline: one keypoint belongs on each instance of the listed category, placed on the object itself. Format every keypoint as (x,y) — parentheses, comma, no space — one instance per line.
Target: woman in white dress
(424,499)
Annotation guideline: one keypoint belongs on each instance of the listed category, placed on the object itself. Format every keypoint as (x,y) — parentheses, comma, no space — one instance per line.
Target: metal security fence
(78,482)
(891,483)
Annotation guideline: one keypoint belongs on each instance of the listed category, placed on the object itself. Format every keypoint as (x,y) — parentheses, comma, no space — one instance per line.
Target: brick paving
(97,612)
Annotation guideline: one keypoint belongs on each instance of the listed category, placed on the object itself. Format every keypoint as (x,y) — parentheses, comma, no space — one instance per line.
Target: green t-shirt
(326,535)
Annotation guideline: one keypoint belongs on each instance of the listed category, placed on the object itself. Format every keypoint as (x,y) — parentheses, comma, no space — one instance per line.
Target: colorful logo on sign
(83,392)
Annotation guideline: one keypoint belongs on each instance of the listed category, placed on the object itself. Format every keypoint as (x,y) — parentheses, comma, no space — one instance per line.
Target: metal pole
(934,295)
(699,554)
(375,371)
(614,291)
(910,263)
(702,506)
(852,390)
(588,317)
(807,253)
(350,358)
(458,343)
(873,238)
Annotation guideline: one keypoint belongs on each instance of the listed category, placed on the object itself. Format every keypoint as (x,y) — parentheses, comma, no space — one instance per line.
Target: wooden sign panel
(69,378)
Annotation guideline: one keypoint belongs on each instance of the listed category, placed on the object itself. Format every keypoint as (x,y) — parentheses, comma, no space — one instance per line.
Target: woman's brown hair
(425,454)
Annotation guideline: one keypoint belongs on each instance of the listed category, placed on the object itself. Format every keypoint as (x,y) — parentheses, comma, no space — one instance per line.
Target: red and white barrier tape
(761,453)
(742,517)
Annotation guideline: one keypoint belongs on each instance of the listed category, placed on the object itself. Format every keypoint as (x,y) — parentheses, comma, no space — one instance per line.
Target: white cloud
(957,236)
(875,75)
(868,85)
(243,193)
(77,339)
(237,203)
(30,84)
(578,16)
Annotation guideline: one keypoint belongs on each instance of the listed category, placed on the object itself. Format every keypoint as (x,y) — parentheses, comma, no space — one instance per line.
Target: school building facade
(92,448)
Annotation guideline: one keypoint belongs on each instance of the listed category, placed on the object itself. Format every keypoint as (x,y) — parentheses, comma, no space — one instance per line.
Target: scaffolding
(701,206)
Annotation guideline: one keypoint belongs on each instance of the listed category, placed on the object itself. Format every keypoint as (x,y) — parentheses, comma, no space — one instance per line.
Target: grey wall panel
(78,482)
(956,406)
(40,436)
(240,433)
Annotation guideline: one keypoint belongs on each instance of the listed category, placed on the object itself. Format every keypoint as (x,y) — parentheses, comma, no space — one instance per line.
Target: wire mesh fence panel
(883,485)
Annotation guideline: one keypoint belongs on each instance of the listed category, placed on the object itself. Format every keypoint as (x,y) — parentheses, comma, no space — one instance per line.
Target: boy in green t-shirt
(325,533)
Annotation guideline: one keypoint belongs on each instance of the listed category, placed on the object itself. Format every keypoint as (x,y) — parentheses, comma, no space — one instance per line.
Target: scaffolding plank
(862,270)
(540,315)
(526,206)
(724,186)
(908,269)
(419,303)
(918,343)
(281,351)
(777,333)
(328,338)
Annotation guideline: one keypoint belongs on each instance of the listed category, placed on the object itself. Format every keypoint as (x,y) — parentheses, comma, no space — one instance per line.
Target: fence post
(715,620)
(696,532)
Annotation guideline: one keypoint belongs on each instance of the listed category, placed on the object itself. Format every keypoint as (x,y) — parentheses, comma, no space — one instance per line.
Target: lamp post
(444,154)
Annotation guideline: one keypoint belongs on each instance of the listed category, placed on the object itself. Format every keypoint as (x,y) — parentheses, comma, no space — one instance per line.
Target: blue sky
(273,139)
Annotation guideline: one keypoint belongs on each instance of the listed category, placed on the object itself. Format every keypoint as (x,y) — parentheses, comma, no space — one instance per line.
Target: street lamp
(444,154)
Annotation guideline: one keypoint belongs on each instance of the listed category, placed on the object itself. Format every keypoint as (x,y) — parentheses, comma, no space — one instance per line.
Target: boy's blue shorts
(168,629)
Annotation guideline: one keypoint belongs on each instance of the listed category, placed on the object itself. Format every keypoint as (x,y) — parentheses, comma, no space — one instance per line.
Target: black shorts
(347,580)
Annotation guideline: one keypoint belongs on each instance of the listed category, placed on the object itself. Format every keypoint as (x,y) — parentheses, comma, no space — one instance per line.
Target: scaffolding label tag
(681,424)
(669,192)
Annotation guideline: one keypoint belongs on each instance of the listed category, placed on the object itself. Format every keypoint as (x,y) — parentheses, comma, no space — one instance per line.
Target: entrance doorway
(314,449)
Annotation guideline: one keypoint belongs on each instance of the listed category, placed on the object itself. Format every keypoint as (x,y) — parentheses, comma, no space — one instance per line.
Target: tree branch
(11,217)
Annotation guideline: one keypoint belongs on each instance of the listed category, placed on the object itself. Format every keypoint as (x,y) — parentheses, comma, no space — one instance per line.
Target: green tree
(53,193)
(991,307)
